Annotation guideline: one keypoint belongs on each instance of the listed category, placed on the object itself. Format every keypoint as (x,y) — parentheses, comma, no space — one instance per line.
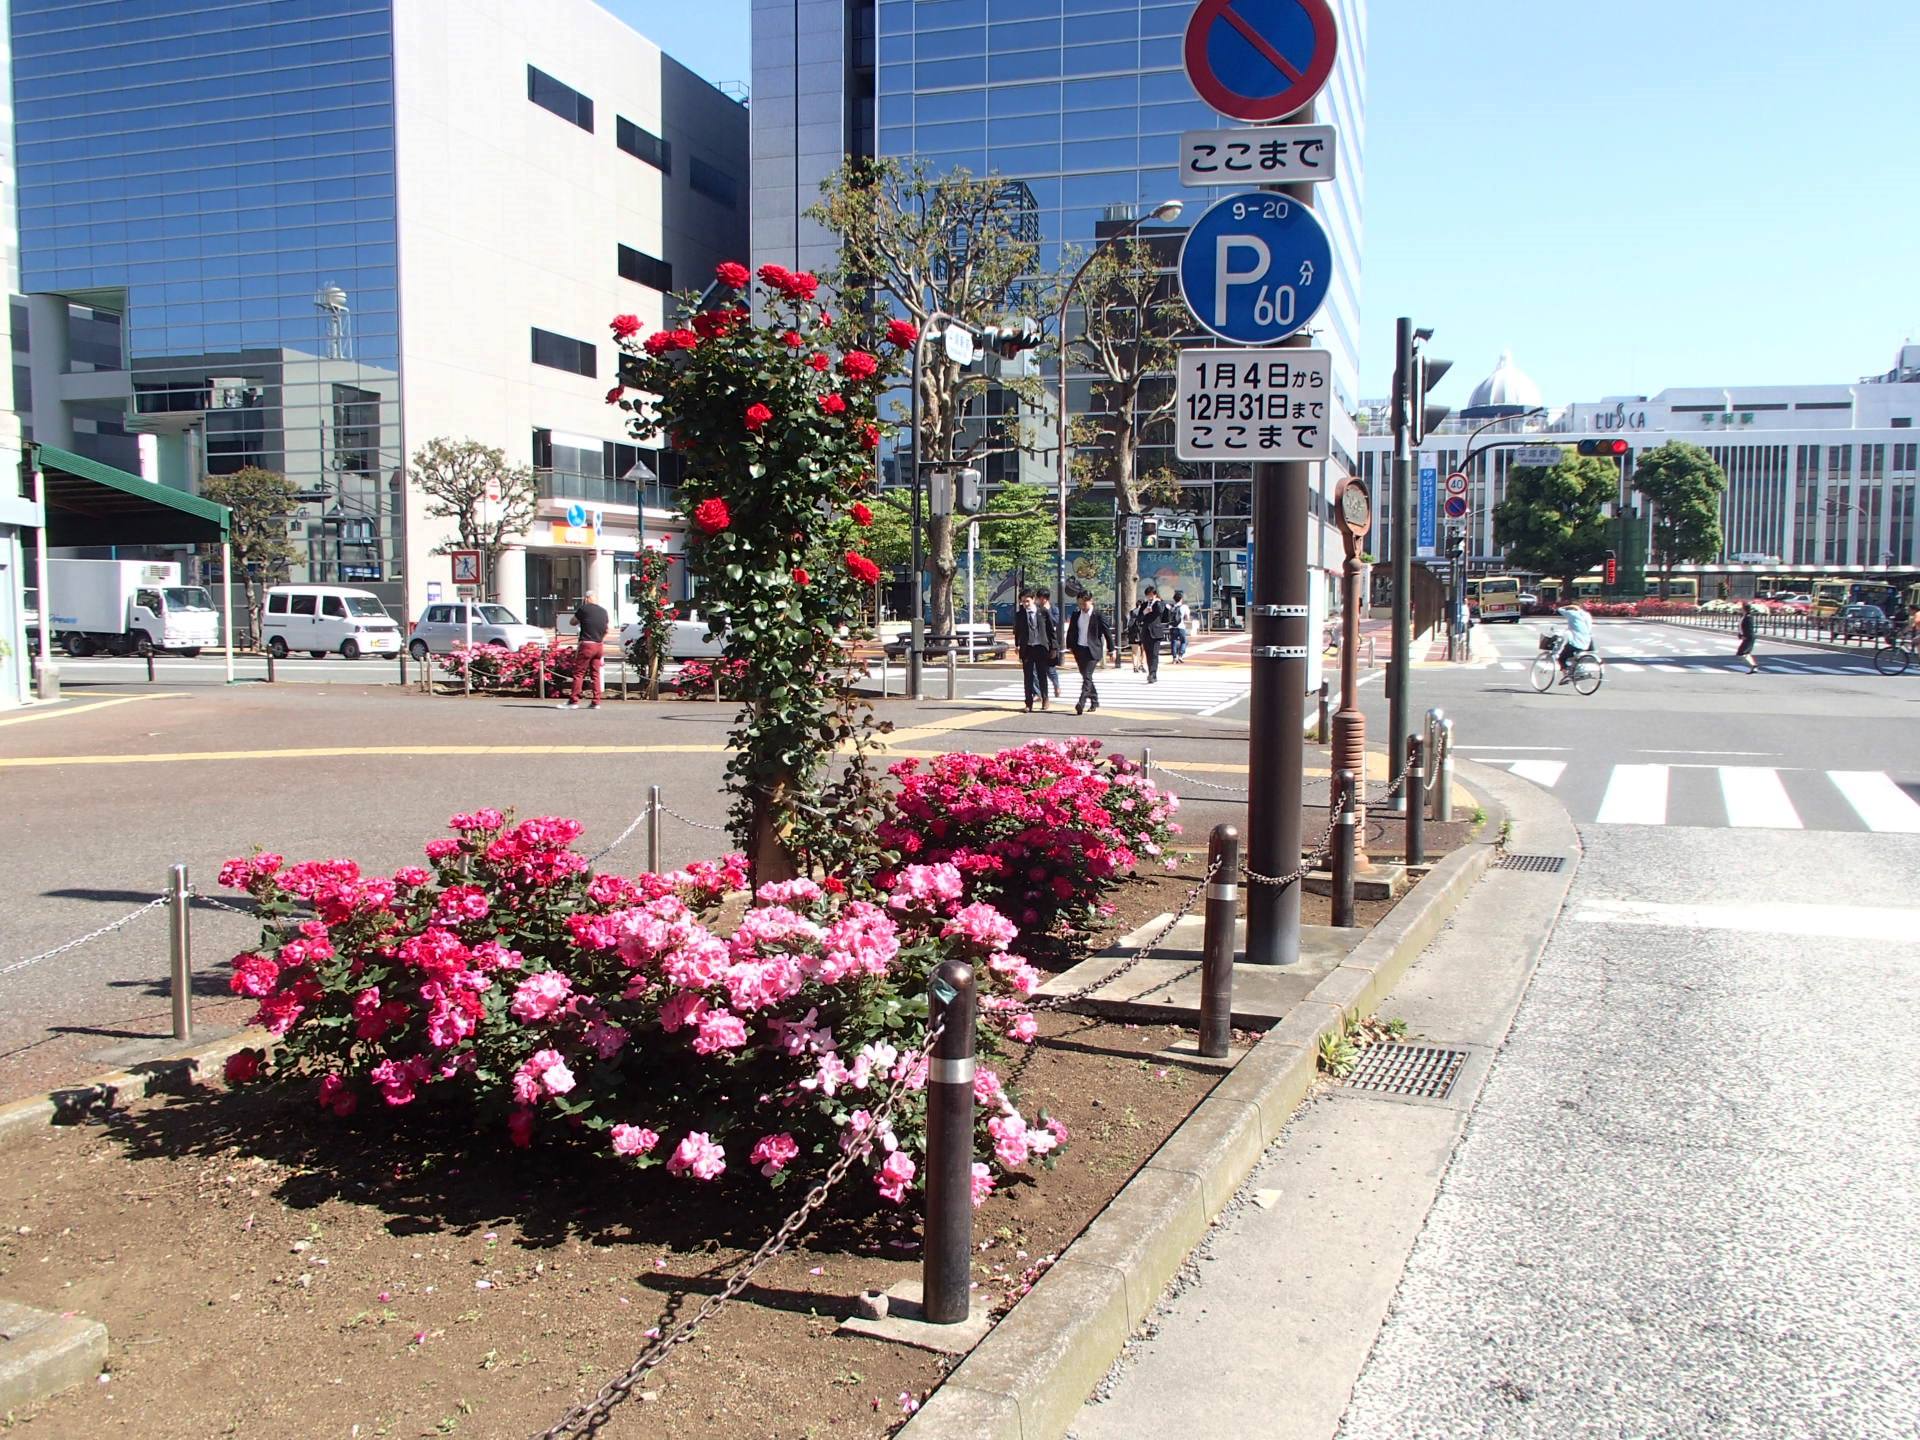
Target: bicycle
(1893,653)
(1585,674)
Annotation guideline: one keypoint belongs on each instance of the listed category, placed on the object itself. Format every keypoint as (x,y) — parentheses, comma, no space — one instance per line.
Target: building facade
(314,237)
(1817,475)
(1080,103)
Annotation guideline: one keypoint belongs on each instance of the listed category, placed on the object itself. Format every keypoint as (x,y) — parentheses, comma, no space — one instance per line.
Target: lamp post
(1166,211)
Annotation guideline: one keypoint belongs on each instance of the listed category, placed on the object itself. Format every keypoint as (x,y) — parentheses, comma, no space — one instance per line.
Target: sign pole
(1404,523)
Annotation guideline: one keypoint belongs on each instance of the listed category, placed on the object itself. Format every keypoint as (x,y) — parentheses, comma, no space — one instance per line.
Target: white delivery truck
(127,607)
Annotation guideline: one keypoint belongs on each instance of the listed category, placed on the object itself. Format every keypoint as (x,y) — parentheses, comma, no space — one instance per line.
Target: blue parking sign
(1256,267)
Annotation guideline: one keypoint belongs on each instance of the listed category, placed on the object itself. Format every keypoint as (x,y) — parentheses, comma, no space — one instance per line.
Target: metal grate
(1393,1069)
(1538,864)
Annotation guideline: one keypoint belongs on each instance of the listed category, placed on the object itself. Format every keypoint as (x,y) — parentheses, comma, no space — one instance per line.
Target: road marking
(1502,749)
(1756,799)
(1544,773)
(1749,754)
(1839,922)
(1880,803)
(926,730)
(1636,795)
(64,709)
(329,752)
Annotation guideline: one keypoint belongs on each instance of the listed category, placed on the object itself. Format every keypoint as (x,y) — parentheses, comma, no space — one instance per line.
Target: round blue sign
(577,516)
(1256,267)
(1456,506)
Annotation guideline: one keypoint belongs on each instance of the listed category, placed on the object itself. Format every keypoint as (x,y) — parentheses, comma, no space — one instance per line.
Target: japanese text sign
(1273,155)
(1254,405)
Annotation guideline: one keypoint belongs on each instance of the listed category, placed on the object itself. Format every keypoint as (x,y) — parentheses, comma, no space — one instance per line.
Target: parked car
(689,640)
(1860,620)
(322,619)
(442,629)
(1528,600)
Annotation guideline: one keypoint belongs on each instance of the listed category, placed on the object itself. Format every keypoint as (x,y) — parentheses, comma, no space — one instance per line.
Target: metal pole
(1443,783)
(181,938)
(1146,757)
(946,1266)
(226,599)
(653,829)
(1324,731)
(149,658)
(917,629)
(49,678)
(1216,973)
(1416,812)
(1276,728)
(1345,849)
(271,676)
(1060,458)
(1349,751)
(953,685)
(1429,737)
(883,672)
(403,666)
(540,667)
(1404,523)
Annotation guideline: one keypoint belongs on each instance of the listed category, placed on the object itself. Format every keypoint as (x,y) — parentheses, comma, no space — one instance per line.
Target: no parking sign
(1260,60)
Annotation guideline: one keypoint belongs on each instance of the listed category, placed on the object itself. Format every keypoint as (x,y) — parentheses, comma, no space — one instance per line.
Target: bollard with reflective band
(953,682)
(1436,717)
(946,1267)
(653,829)
(1416,811)
(1325,733)
(1443,782)
(1345,849)
(1216,966)
(181,946)
(1146,757)
(540,667)
(270,675)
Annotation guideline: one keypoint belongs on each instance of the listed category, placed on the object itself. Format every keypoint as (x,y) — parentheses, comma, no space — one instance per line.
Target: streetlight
(1166,211)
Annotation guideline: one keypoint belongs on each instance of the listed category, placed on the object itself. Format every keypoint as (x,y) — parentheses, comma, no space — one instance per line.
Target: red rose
(826,318)
(800,576)
(861,514)
(242,1066)
(819,362)
(613,395)
(683,339)
(859,365)
(902,333)
(659,343)
(757,415)
(732,274)
(792,340)
(801,285)
(778,276)
(833,404)
(625,326)
(870,438)
(709,323)
(834,885)
(712,515)
(861,568)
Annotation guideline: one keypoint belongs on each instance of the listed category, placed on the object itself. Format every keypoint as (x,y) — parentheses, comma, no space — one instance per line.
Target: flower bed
(516,672)
(695,681)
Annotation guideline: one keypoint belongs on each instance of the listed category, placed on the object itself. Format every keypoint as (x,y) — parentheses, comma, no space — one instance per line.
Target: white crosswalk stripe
(1758,797)
(1755,798)
(1196,691)
(1636,795)
(1880,803)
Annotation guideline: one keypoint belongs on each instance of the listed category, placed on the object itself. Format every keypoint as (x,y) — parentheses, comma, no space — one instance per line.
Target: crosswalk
(1182,689)
(1740,797)
(1633,647)
(1699,661)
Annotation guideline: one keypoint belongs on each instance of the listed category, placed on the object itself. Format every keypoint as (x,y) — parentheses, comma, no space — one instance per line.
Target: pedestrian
(1037,640)
(1182,618)
(1134,637)
(590,650)
(1746,639)
(1053,663)
(1150,623)
(1088,637)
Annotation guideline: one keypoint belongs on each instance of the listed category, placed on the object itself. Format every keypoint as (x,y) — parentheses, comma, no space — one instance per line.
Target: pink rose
(539,995)
(699,1156)
(895,1175)
(633,1140)
(772,1152)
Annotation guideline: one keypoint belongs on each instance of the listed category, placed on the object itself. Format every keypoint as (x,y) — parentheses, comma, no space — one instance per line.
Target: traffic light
(967,497)
(1149,529)
(1605,449)
(1612,573)
(1427,373)
(1456,544)
(1009,339)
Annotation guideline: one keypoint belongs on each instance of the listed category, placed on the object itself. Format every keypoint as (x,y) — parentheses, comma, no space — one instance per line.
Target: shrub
(1042,832)
(1655,609)
(695,680)
(561,1003)
(495,667)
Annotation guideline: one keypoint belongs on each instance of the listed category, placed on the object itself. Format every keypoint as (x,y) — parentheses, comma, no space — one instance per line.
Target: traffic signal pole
(1405,523)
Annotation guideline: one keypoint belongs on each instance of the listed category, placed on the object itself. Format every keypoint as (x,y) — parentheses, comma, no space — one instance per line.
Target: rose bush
(1041,833)
(507,976)
(694,681)
(496,667)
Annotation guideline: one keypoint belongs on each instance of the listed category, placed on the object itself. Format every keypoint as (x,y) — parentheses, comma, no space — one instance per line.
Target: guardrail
(1782,625)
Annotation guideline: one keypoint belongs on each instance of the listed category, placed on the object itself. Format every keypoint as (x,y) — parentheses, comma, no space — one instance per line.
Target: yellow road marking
(325,752)
(64,709)
(927,730)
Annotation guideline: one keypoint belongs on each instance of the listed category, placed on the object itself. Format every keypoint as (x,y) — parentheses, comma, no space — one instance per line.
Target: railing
(1782,625)
(595,489)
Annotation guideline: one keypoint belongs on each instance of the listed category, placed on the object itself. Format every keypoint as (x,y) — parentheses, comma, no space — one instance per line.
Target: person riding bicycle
(1579,637)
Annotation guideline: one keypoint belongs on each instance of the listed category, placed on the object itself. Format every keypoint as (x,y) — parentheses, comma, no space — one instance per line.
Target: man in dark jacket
(1088,637)
(1154,623)
(592,622)
(1037,637)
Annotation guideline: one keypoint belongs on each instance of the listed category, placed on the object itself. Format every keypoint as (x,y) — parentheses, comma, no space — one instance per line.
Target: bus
(1494,597)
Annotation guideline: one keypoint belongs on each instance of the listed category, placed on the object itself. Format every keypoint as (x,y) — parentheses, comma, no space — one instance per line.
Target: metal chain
(599,855)
(1060,1002)
(688,820)
(158,902)
(580,1417)
(200,897)
(1313,859)
(1195,780)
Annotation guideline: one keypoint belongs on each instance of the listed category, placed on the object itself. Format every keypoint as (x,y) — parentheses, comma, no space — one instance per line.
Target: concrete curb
(1027,1379)
(42,1353)
(168,1075)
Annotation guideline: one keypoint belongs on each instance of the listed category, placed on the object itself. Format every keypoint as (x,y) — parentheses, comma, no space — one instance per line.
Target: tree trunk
(1127,502)
(772,861)
(941,567)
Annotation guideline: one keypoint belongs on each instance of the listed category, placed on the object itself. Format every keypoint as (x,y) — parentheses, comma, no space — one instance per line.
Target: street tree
(457,477)
(1551,520)
(263,503)
(1685,485)
(1016,531)
(920,243)
(1129,339)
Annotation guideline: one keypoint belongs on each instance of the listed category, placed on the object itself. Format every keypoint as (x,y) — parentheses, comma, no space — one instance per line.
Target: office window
(563,100)
(645,270)
(643,144)
(712,182)
(564,353)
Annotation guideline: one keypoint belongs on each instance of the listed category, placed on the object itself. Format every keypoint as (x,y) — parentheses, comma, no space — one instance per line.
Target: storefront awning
(88,503)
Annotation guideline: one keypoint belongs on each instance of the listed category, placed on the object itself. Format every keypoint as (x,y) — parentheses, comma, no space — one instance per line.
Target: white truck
(126,607)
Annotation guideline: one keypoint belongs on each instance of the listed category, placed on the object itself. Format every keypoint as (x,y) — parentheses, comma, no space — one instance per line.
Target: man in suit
(1036,636)
(1089,636)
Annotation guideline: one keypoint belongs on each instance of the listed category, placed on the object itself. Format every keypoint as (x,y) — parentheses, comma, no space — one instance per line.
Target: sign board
(466,566)
(1135,532)
(577,516)
(1260,60)
(1272,155)
(1429,507)
(1539,454)
(1456,484)
(493,490)
(959,342)
(1256,267)
(1456,506)
(434,592)
(581,535)
(1254,405)
(467,592)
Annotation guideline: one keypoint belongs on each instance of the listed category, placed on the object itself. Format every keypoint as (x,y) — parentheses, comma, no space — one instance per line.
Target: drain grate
(1420,1070)
(1538,864)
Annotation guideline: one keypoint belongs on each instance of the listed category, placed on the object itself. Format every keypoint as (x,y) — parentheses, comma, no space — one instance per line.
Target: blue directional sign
(577,516)
(1256,267)
(1429,506)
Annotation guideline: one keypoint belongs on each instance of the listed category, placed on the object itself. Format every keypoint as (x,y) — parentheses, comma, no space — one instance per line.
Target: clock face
(1355,508)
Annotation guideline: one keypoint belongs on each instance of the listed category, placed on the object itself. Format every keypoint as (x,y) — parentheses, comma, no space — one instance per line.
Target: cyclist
(1579,637)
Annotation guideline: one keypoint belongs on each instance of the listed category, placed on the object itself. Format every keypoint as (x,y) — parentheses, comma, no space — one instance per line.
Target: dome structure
(1507,392)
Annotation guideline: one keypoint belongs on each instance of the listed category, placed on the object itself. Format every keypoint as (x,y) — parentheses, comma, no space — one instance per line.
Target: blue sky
(1629,196)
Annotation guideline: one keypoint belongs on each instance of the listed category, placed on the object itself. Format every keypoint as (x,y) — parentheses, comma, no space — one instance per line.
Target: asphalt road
(1684,1203)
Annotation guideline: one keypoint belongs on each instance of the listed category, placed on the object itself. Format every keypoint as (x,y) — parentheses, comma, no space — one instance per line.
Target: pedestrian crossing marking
(1544,773)
(1756,799)
(1880,804)
(1183,692)
(1636,795)
(1838,922)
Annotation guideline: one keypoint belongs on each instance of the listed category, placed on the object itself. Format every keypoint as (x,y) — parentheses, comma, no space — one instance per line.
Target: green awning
(89,503)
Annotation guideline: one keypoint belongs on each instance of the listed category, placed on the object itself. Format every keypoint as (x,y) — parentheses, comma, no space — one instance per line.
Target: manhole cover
(1425,1071)
(1539,864)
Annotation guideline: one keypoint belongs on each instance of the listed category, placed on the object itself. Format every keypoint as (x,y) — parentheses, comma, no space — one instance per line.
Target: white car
(688,641)
(443,628)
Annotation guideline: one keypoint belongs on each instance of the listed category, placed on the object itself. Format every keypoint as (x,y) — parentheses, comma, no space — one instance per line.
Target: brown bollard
(149,667)
(1216,966)
(1345,847)
(947,1263)
(540,666)
(1416,801)
(403,667)
(1326,723)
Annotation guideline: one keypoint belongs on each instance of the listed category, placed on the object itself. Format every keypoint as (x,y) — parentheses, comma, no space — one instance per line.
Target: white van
(325,619)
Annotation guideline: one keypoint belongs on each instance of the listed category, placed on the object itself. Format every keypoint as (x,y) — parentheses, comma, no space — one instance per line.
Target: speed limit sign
(1456,483)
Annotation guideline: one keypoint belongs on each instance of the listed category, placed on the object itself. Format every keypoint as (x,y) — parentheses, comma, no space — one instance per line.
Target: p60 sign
(1256,267)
